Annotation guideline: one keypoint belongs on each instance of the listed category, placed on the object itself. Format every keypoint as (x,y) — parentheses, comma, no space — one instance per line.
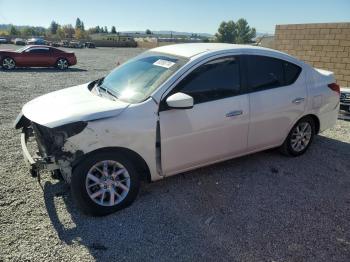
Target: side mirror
(180,101)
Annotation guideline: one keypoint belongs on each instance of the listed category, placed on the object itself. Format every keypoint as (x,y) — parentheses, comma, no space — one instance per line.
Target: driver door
(36,56)
(216,128)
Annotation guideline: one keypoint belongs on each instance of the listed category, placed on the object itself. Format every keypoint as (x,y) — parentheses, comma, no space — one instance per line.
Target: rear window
(264,72)
(268,72)
(291,72)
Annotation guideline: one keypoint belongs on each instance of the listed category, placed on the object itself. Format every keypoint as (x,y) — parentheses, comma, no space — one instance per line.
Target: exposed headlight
(52,139)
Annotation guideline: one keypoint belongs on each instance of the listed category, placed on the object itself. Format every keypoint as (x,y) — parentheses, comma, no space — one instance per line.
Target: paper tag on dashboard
(164,63)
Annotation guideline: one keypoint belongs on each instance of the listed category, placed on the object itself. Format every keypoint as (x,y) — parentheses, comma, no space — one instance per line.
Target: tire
(304,139)
(84,191)
(62,64)
(8,63)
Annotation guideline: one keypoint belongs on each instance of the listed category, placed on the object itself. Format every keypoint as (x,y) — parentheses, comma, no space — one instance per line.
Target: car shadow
(258,206)
(43,70)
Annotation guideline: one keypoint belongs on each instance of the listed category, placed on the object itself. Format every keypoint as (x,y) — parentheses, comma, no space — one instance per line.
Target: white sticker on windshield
(164,63)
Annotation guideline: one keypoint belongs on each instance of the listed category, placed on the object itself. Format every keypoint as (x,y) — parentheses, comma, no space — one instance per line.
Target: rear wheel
(299,138)
(62,64)
(8,63)
(104,183)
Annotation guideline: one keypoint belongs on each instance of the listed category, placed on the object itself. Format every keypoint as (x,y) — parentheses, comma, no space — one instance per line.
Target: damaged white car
(173,109)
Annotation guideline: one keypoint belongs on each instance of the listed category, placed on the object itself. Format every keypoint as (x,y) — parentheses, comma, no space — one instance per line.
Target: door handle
(298,100)
(234,113)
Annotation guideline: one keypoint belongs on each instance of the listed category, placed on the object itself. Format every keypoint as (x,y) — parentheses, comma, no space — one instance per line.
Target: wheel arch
(316,121)
(313,117)
(8,56)
(139,162)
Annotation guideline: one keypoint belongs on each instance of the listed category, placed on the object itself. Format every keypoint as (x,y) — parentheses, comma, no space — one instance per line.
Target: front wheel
(8,63)
(299,138)
(104,183)
(62,64)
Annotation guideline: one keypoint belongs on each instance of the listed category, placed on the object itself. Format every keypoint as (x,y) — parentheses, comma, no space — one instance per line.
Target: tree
(28,31)
(68,30)
(80,34)
(4,33)
(226,32)
(113,30)
(245,34)
(53,27)
(237,33)
(78,23)
(106,30)
(82,27)
(13,30)
(60,32)
(148,32)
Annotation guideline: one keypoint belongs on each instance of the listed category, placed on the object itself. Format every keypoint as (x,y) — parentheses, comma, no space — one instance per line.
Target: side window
(264,72)
(291,72)
(39,51)
(214,80)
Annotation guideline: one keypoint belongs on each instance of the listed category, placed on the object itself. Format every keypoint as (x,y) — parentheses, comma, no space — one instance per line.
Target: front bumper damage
(36,162)
(49,151)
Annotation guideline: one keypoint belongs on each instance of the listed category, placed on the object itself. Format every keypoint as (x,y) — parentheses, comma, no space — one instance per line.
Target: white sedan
(173,109)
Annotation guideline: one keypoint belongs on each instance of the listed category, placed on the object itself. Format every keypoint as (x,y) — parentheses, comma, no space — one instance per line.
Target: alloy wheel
(8,63)
(107,183)
(301,136)
(62,64)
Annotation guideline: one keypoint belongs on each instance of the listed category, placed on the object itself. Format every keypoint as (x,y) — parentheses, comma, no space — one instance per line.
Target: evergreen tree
(78,23)
(53,27)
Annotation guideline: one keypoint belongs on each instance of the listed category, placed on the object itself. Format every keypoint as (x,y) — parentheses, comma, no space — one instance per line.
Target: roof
(192,49)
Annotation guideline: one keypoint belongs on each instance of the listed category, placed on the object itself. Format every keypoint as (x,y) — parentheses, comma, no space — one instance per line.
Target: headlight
(52,139)
(70,129)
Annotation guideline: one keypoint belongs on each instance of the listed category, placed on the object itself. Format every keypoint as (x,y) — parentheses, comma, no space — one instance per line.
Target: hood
(71,105)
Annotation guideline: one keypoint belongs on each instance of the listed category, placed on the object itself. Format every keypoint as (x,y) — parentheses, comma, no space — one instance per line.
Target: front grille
(345,97)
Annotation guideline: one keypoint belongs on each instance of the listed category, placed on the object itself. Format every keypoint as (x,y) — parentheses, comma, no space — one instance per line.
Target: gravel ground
(262,207)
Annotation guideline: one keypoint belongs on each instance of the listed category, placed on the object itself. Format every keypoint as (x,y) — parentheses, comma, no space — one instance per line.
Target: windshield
(21,49)
(135,80)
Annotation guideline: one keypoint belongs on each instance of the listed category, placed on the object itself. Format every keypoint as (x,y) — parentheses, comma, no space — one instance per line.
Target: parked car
(345,99)
(19,41)
(89,45)
(75,44)
(36,41)
(37,56)
(3,40)
(172,109)
(55,44)
(64,43)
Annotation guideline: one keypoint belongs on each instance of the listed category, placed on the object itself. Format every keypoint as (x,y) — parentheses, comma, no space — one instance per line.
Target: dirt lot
(263,207)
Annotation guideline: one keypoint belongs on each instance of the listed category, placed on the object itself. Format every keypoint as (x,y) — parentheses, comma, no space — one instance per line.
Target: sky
(200,16)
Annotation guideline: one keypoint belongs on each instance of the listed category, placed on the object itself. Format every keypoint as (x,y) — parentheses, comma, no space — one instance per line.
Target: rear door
(215,128)
(277,99)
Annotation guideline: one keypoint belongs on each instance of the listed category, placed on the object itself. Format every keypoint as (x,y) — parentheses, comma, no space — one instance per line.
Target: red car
(37,56)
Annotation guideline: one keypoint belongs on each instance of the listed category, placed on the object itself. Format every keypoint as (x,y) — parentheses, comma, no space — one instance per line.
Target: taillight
(335,87)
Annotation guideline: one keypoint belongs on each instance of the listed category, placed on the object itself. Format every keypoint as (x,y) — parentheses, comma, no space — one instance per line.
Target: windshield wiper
(107,91)
(99,86)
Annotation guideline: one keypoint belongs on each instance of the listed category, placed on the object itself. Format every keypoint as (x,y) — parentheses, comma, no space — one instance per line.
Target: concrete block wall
(323,45)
